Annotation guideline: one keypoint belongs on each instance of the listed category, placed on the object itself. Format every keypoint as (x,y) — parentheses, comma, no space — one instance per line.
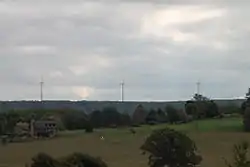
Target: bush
(170,148)
(82,160)
(44,160)
(239,156)
(136,125)
(73,160)
(89,128)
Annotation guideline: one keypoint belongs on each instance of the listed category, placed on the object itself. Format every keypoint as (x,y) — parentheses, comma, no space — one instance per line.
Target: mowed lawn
(214,139)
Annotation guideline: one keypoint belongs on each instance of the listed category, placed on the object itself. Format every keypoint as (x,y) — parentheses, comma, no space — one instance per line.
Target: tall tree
(111,117)
(139,115)
(126,119)
(246,113)
(173,116)
(74,120)
(152,116)
(96,119)
(161,116)
(167,147)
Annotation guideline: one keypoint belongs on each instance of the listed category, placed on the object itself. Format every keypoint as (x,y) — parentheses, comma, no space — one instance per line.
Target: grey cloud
(111,31)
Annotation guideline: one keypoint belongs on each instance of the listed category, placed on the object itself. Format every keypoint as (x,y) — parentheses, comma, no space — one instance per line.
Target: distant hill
(89,106)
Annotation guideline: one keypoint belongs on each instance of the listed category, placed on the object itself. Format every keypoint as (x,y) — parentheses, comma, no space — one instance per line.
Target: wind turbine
(122,90)
(41,88)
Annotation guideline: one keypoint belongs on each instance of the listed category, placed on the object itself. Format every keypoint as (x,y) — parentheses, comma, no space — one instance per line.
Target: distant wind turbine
(122,90)
(41,88)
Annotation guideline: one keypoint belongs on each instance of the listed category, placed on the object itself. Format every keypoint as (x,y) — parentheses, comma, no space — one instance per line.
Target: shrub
(79,159)
(89,128)
(240,156)
(170,148)
(73,160)
(136,125)
(44,160)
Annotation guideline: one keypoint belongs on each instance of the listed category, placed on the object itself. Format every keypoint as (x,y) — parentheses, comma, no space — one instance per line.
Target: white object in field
(101,137)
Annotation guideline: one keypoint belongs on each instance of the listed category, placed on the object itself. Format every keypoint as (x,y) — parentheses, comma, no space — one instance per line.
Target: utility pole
(122,90)
(41,89)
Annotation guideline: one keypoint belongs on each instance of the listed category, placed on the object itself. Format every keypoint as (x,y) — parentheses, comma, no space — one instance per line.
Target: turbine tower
(198,87)
(122,90)
(41,89)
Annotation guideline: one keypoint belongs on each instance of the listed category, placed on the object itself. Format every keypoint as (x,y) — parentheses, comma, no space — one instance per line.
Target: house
(43,128)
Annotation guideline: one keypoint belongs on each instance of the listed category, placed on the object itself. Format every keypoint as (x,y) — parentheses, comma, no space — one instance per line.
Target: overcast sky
(161,48)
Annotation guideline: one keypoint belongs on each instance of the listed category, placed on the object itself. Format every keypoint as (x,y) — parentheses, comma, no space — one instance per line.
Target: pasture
(120,148)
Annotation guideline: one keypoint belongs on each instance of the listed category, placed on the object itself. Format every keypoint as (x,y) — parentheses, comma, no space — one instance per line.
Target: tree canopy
(167,147)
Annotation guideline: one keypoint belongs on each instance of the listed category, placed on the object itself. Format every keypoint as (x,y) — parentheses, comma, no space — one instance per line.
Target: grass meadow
(214,139)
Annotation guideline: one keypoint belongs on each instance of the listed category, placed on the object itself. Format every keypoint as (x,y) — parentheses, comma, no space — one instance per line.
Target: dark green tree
(212,109)
(151,118)
(167,147)
(191,108)
(3,123)
(161,116)
(73,120)
(182,115)
(111,117)
(201,107)
(96,118)
(172,114)
(246,113)
(139,115)
(126,119)
(246,119)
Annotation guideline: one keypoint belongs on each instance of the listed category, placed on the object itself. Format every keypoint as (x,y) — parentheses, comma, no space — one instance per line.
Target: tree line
(199,107)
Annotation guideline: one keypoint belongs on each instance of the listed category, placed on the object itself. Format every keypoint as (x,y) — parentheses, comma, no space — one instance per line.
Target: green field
(120,148)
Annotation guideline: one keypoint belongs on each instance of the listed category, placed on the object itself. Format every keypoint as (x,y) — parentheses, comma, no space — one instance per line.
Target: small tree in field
(167,147)
(240,156)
